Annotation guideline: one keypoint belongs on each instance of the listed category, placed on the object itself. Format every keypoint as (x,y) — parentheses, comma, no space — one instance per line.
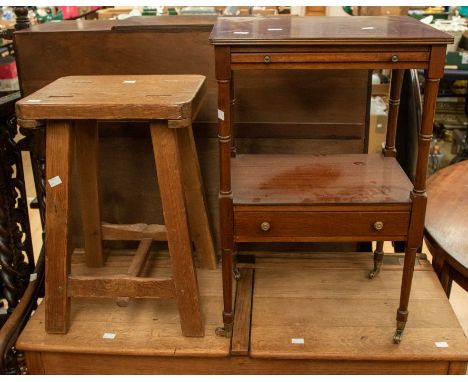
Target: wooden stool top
(147,97)
(447,210)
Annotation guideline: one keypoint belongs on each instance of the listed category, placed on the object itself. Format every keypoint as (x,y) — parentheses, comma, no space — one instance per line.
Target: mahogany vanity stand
(300,198)
(71,107)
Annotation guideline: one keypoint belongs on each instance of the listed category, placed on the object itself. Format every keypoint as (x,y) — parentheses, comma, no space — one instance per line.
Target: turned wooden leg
(59,156)
(394,104)
(402,313)
(418,194)
(378,260)
(169,173)
(87,162)
(195,199)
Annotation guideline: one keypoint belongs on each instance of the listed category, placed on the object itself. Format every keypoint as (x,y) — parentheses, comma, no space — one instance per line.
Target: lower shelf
(345,319)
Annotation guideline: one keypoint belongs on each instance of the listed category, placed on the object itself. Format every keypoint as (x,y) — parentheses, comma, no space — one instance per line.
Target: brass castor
(397,336)
(373,273)
(224,331)
(236,273)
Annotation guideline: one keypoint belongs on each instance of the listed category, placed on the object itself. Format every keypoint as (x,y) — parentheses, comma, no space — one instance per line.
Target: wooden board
(149,341)
(343,315)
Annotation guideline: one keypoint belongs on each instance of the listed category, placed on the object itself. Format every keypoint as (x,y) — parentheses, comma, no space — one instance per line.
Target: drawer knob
(267,59)
(265,226)
(378,226)
(395,58)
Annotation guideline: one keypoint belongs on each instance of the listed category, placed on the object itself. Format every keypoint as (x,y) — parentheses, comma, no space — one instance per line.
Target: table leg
(378,259)
(226,203)
(418,194)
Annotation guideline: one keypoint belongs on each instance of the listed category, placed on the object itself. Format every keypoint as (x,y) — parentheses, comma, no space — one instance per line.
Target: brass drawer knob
(378,226)
(395,58)
(267,59)
(265,226)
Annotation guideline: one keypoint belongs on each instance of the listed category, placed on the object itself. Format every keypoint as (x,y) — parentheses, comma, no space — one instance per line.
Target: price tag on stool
(55,181)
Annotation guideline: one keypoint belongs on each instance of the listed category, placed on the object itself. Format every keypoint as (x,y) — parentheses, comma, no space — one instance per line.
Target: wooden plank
(59,154)
(136,266)
(457,368)
(149,327)
(57,363)
(140,257)
(301,281)
(127,286)
(199,224)
(350,322)
(138,231)
(87,162)
(168,167)
(240,341)
(34,363)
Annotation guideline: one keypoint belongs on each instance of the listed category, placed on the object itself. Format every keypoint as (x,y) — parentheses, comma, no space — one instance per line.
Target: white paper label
(297,340)
(442,344)
(221,115)
(275,29)
(109,336)
(464,59)
(368,28)
(55,181)
(33,101)
(33,276)
(239,32)
(129,82)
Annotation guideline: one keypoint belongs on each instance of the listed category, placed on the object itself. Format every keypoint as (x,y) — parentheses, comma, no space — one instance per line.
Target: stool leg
(195,198)
(87,162)
(169,174)
(59,155)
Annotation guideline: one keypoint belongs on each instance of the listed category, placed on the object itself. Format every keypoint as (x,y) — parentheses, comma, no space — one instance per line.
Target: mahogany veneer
(340,190)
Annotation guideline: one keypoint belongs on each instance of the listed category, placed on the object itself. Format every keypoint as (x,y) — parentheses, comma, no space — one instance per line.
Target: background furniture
(304,198)
(267,121)
(71,107)
(446,227)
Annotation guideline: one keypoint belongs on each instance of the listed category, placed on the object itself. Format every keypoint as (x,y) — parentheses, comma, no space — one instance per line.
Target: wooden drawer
(335,57)
(285,226)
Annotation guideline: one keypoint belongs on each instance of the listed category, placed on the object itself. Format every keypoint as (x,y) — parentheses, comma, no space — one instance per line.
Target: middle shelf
(297,179)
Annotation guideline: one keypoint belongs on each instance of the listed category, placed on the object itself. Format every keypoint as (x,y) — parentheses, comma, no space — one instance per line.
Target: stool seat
(142,97)
(71,108)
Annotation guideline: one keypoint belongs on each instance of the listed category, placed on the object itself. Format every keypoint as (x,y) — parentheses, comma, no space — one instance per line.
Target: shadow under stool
(71,107)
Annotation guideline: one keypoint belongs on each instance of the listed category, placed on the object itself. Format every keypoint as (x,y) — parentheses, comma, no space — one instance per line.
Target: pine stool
(71,107)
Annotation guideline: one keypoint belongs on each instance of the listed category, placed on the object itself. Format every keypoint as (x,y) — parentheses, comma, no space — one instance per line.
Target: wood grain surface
(318,179)
(325,30)
(447,210)
(115,97)
(355,321)
(149,340)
